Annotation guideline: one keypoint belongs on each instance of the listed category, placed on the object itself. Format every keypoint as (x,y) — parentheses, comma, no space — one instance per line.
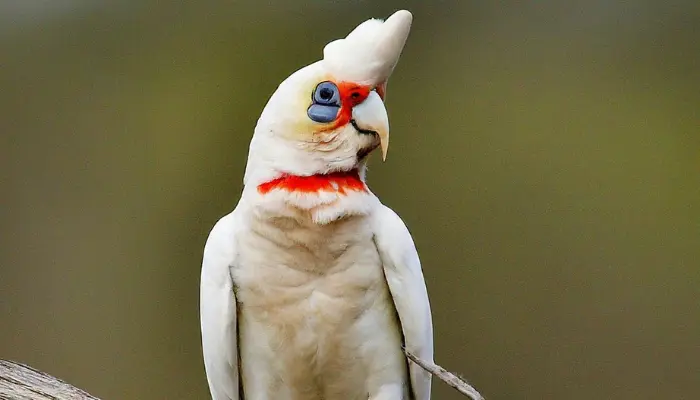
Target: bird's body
(311,286)
(309,296)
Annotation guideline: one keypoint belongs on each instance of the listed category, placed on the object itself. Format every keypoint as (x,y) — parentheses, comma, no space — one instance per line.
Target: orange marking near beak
(381,90)
(351,94)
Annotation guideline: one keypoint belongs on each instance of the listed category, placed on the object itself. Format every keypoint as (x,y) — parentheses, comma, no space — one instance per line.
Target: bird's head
(327,117)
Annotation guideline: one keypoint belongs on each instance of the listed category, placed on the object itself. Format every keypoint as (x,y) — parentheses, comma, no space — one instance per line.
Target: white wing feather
(405,278)
(218,311)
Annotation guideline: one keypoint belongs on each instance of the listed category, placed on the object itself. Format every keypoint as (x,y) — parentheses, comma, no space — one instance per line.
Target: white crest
(370,52)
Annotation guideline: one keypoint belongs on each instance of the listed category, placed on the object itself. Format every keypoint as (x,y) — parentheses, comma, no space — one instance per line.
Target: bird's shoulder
(390,230)
(220,250)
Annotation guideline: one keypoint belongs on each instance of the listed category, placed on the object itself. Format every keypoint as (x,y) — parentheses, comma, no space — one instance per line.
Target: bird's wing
(407,286)
(218,311)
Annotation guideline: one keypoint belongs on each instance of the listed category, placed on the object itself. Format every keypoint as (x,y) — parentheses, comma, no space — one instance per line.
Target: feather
(218,311)
(405,279)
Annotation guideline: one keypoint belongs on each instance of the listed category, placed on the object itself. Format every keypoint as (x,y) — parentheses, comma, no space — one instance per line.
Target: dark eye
(326,93)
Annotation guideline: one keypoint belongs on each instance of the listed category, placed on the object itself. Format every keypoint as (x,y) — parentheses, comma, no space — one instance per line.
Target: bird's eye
(326,103)
(327,93)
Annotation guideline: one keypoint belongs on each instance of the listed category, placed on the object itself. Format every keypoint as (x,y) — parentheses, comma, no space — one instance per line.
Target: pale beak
(370,116)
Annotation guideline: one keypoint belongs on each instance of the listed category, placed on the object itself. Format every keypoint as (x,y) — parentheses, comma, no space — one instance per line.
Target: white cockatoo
(311,286)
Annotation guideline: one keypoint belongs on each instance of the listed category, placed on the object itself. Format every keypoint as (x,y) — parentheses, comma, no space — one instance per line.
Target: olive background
(544,156)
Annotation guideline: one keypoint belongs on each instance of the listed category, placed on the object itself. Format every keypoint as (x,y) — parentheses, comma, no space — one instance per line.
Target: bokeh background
(544,155)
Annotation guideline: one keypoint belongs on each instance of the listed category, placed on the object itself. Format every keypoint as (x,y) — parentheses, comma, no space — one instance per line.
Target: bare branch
(446,376)
(21,382)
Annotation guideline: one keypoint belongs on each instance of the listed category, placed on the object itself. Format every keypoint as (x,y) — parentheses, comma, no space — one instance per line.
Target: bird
(312,288)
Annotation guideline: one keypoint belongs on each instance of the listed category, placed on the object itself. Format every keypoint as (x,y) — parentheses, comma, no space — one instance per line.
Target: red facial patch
(351,94)
(340,182)
(381,90)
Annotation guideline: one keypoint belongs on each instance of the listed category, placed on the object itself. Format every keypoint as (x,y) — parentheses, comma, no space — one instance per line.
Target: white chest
(308,275)
(312,301)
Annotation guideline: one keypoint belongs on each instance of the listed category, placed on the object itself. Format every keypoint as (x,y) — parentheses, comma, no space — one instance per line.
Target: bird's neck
(320,198)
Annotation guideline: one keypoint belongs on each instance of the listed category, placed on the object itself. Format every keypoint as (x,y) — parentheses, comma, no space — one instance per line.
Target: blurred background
(544,156)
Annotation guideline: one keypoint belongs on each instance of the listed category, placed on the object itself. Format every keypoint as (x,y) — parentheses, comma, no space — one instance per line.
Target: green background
(544,155)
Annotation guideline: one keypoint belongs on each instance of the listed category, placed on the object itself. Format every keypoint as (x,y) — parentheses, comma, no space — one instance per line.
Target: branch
(21,382)
(446,376)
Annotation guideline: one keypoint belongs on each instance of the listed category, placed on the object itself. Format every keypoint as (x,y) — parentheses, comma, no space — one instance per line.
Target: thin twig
(446,376)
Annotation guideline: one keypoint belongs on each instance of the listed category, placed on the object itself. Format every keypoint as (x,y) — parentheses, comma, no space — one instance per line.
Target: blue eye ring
(327,94)
(325,104)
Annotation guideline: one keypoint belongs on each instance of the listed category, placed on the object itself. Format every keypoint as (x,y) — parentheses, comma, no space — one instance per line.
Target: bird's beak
(371,115)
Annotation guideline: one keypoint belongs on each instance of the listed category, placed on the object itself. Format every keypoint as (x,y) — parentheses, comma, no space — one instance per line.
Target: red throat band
(340,182)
